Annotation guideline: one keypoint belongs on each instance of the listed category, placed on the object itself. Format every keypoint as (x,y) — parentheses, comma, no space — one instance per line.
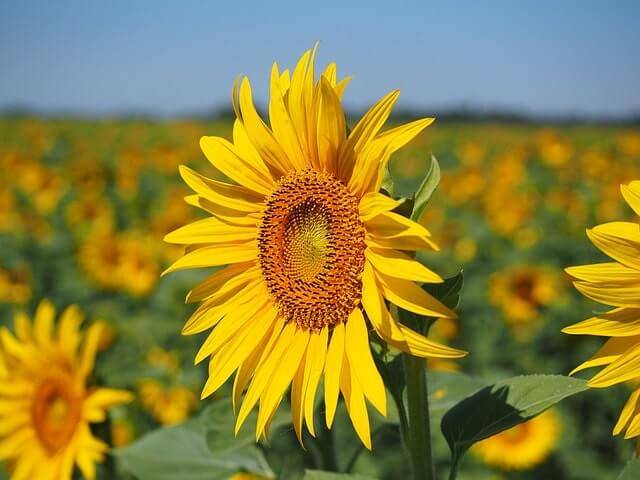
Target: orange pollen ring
(56,412)
(311,249)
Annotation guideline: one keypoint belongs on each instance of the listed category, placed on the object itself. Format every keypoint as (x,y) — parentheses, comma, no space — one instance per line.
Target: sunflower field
(85,206)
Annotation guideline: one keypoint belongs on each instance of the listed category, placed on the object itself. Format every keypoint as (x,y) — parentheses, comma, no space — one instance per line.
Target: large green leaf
(426,189)
(631,471)
(501,406)
(320,475)
(447,389)
(202,449)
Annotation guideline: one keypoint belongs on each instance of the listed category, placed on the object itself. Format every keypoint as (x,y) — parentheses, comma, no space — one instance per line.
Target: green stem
(419,433)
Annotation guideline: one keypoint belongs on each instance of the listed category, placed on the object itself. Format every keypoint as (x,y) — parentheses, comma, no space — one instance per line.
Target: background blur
(538,124)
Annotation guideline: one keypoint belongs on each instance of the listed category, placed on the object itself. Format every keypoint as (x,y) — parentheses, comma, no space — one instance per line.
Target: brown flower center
(56,411)
(311,249)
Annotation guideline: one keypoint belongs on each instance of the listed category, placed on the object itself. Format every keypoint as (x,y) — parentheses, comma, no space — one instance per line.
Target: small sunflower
(521,447)
(521,291)
(46,405)
(167,405)
(313,252)
(616,284)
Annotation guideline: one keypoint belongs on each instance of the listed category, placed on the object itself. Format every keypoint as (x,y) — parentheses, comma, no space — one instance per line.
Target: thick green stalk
(419,434)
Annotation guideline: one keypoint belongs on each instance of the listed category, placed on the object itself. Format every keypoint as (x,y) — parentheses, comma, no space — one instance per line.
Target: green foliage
(319,475)
(501,406)
(448,292)
(631,471)
(426,189)
(200,449)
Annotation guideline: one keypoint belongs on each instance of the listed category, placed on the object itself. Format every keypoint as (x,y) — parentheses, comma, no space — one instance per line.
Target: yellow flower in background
(554,150)
(46,405)
(15,285)
(120,261)
(616,284)
(43,185)
(523,446)
(93,213)
(312,248)
(167,405)
(163,359)
(521,291)
(122,432)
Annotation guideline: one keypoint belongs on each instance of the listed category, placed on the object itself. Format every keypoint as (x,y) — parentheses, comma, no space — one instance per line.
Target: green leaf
(501,406)
(426,189)
(448,292)
(387,181)
(201,449)
(320,475)
(447,389)
(631,471)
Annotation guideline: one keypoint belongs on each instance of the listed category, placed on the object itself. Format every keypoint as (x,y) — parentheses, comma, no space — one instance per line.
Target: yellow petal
(43,323)
(363,133)
(630,408)
(398,265)
(332,130)
(298,96)
(359,353)
(246,338)
(332,370)
(264,373)
(409,296)
(391,230)
(248,367)
(372,162)
(214,256)
(235,197)
(313,374)
(211,230)
(354,401)
(69,329)
(631,194)
(225,157)
(605,272)
(227,215)
(100,400)
(621,322)
(283,129)
(281,376)
(209,286)
(374,203)
(229,326)
(620,370)
(260,135)
(615,294)
(619,240)
(22,326)
(89,349)
(297,395)
(613,349)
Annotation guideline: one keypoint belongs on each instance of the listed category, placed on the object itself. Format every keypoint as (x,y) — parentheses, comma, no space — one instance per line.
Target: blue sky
(545,57)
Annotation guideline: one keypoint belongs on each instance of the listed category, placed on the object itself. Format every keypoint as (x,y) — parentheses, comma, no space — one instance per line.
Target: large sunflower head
(46,405)
(314,252)
(616,284)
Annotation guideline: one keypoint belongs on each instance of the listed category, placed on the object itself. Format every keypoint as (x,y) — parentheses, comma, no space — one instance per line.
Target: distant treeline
(459,114)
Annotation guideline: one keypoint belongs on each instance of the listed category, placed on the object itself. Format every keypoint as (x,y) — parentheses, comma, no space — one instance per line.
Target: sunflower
(521,447)
(167,405)
(313,250)
(521,291)
(616,284)
(46,405)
